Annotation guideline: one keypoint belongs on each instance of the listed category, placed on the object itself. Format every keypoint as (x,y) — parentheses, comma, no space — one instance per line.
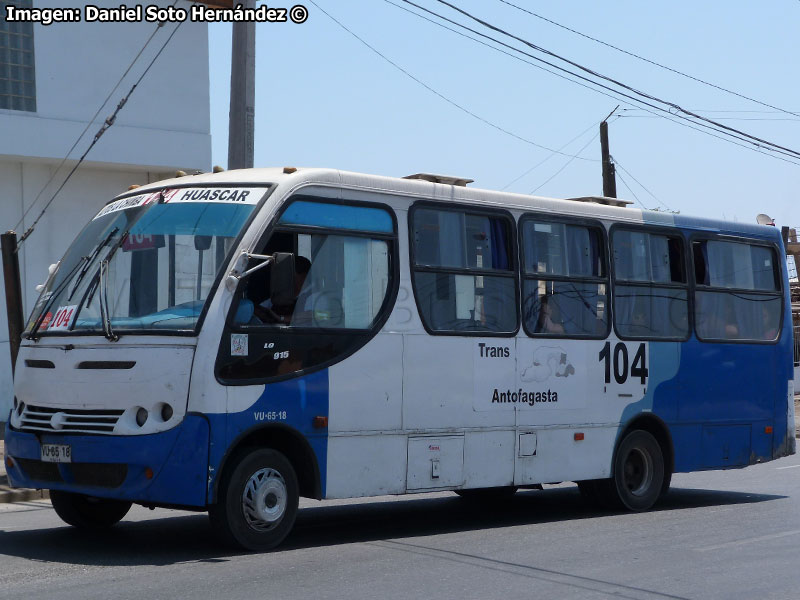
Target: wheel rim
(638,472)
(264,499)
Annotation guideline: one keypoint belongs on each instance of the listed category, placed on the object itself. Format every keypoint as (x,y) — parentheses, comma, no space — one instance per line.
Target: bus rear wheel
(639,472)
(86,512)
(257,502)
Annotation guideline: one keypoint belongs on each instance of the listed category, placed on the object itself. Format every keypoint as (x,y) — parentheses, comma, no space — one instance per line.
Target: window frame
(687,286)
(393,271)
(30,102)
(604,243)
(513,257)
(780,292)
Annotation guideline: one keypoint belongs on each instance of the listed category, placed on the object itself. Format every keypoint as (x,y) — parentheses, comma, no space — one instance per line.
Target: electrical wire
(549,156)
(617,95)
(91,121)
(624,170)
(625,183)
(673,105)
(109,122)
(647,60)
(433,91)
(566,164)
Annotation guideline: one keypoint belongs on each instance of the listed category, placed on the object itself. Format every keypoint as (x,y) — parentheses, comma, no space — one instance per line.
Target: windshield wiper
(88,260)
(105,317)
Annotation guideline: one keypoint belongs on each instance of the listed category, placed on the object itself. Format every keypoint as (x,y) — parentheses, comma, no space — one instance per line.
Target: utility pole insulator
(609,173)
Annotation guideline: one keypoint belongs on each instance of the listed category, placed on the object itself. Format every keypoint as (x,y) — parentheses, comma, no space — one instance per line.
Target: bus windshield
(144,263)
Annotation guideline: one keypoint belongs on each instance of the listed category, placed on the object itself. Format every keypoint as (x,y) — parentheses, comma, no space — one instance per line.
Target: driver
(269,313)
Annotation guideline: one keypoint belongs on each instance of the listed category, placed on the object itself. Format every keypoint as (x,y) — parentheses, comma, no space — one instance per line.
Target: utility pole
(13,289)
(609,173)
(241,121)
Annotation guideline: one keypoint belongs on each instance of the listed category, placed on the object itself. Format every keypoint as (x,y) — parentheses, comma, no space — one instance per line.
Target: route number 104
(638,367)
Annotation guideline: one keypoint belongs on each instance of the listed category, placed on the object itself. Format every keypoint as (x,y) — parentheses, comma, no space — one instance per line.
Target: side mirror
(282,279)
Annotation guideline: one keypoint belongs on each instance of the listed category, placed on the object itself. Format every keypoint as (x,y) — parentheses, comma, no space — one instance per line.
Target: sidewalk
(8,494)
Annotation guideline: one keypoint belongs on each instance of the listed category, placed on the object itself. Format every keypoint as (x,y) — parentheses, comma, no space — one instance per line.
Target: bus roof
(295,178)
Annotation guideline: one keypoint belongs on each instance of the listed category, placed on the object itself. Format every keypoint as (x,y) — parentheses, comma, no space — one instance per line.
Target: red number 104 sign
(63,318)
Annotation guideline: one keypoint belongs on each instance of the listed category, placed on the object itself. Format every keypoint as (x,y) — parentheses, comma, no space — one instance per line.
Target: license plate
(56,453)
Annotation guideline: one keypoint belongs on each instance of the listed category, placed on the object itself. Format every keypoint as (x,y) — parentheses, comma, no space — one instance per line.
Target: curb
(11,495)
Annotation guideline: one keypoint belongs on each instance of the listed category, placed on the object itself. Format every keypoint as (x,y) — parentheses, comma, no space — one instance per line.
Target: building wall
(164,126)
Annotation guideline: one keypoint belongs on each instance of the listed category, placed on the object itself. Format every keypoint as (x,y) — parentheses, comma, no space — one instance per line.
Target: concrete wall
(165,126)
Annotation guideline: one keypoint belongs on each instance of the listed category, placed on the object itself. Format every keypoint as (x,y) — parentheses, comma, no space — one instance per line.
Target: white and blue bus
(231,342)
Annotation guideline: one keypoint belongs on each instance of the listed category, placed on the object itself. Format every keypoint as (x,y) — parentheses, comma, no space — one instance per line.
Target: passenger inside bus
(549,317)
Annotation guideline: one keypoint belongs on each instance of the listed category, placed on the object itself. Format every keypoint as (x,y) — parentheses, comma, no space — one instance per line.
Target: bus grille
(68,420)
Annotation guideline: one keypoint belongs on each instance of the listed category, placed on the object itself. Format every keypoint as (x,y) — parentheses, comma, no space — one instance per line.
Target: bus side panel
(291,405)
(729,408)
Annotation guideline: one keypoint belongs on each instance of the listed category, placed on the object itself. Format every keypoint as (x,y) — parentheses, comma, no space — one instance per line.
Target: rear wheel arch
(286,440)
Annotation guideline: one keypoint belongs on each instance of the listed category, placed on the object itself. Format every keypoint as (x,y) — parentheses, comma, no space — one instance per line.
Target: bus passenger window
(463,272)
(564,291)
(738,295)
(650,287)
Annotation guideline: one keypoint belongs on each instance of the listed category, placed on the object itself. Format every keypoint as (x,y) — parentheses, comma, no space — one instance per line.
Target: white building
(52,81)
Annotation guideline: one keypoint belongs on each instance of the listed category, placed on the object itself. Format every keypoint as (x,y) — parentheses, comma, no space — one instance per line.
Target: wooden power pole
(609,174)
(241,118)
(241,123)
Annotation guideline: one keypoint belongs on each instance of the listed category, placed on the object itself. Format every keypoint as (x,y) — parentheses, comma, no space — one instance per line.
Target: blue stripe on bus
(301,398)
(177,458)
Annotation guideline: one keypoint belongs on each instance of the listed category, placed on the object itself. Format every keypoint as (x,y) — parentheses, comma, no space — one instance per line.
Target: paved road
(732,534)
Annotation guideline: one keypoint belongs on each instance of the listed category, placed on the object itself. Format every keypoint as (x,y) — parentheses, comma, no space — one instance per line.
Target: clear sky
(324,99)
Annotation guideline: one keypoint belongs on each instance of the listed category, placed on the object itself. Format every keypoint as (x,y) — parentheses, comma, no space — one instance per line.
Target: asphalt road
(733,534)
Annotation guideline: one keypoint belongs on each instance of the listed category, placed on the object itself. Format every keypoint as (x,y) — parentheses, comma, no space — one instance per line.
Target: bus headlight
(141,417)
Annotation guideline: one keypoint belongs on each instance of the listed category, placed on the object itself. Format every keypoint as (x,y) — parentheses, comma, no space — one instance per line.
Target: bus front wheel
(257,502)
(86,512)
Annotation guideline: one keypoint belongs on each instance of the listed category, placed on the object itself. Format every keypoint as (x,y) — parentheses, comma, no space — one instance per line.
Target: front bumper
(117,466)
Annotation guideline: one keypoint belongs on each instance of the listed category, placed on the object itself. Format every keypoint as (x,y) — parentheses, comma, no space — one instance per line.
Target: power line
(109,122)
(647,60)
(617,95)
(565,164)
(618,164)
(593,73)
(549,156)
(91,122)
(432,90)
(625,183)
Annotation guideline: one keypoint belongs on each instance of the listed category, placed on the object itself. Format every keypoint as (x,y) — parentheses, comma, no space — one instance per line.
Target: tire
(86,512)
(257,502)
(639,473)
(493,494)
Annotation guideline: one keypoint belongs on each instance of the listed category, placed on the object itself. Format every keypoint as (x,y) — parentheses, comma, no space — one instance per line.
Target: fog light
(141,417)
(166,412)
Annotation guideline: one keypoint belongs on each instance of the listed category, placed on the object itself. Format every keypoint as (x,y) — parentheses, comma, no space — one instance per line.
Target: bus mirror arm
(240,270)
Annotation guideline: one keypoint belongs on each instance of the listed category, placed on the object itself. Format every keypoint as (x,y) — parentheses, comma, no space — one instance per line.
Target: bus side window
(463,270)
(564,291)
(650,285)
(738,294)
